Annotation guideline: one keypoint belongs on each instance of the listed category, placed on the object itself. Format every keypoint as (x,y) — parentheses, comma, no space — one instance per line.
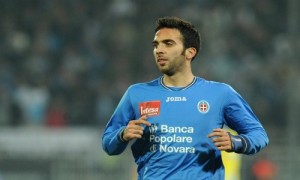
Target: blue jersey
(176,145)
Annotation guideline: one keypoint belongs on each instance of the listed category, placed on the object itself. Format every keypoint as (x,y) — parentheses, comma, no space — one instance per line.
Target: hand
(221,139)
(134,130)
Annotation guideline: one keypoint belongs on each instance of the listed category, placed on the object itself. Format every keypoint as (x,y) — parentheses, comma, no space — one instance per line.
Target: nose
(158,49)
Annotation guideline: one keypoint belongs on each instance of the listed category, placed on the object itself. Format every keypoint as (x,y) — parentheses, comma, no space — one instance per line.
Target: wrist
(121,135)
(237,143)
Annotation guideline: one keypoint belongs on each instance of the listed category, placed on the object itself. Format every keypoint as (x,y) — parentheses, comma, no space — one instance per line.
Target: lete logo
(150,108)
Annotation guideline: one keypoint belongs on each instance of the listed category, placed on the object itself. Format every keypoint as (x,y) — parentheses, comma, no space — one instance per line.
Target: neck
(178,80)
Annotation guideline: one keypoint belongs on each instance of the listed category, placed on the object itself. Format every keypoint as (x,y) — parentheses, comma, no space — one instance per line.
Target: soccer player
(176,120)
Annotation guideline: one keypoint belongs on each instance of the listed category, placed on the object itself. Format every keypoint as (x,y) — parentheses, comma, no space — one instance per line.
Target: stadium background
(64,65)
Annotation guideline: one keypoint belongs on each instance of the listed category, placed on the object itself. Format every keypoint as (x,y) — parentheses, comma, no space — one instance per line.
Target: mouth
(161,61)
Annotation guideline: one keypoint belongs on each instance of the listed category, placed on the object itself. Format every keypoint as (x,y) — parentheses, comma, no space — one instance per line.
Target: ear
(190,53)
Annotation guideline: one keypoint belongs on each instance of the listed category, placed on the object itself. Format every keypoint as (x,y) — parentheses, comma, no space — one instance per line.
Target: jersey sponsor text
(173,139)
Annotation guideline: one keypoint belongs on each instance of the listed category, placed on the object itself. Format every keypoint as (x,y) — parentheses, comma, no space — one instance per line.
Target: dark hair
(191,36)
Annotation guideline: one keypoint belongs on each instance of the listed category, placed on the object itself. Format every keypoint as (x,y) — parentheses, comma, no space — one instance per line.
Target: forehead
(168,33)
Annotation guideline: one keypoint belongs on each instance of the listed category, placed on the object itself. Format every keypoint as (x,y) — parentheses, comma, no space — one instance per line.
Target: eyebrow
(154,42)
(163,41)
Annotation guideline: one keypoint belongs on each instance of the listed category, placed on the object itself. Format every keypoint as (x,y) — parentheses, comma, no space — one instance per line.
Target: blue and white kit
(176,145)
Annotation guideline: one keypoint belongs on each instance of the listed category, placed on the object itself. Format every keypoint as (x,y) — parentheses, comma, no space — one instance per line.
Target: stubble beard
(171,69)
(168,71)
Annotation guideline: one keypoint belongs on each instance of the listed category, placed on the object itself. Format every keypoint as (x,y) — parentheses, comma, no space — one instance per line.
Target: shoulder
(218,86)
(144,85)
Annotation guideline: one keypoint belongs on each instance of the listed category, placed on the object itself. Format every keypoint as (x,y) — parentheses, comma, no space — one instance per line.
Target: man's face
(168,51)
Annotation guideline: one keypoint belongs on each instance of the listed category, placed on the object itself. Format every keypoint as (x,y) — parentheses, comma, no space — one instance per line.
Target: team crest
(203,106)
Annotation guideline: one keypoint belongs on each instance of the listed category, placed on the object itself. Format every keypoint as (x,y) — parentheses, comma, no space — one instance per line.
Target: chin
(167,72)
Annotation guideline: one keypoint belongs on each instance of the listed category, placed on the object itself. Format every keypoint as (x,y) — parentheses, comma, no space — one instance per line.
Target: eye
(169,43)
(154,45)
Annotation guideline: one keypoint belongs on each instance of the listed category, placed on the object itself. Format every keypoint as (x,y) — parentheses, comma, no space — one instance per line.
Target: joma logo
(172,99)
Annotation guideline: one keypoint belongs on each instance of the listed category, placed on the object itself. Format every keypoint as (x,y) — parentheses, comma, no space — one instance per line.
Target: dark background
(64,65)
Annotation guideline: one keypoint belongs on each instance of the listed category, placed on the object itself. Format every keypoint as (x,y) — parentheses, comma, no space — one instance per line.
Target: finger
(134,124)
(217,132)
(145,117)
(225,147)
(132,133)
(223,143)
(214,134)
(221,137)
(135,128)
(143,120)
(133,136)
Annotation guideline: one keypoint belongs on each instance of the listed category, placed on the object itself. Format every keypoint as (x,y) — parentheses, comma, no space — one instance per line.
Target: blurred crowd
(68,62)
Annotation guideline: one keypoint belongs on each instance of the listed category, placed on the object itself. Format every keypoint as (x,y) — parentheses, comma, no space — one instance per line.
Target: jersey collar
(176,88)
